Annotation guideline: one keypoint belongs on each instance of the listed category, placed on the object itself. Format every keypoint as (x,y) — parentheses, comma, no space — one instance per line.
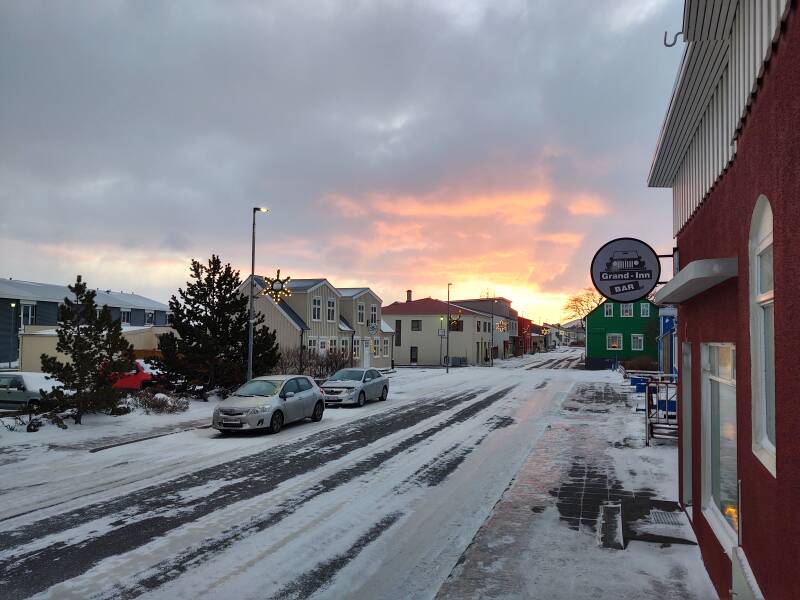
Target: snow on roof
(125,329)
(351,292)
(385,327)
(48,292)
(344,325)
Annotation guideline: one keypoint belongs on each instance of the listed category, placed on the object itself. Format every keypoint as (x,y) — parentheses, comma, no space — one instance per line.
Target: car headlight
(258,409)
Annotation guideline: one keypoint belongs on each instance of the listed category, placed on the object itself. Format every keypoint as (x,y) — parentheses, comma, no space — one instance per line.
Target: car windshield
(347,375)
(259,387)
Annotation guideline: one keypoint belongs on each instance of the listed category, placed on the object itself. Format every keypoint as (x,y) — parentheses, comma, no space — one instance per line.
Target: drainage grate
(660,517)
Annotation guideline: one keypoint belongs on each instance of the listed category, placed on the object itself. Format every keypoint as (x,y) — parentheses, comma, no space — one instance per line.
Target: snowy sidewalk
(541,539)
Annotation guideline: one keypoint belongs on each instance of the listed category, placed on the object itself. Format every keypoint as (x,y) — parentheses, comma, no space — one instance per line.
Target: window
(373,313)
(762,334)
(356,348)
(486,327)
(720,474)
(331,310)
(360,315)
(376,347)
(398,330)
(316,309)
(477,325)
(608,309)
(125,317)
(614,341)
(333,344)
(312,344)
(644,309)
(148,318)
(456,324)
(626,310)
(345,343)
(323,346)
(28,314)
(637,342)
(303,384)
(386,346)
(416,325)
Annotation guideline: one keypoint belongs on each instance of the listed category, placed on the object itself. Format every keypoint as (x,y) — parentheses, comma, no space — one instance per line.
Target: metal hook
(674,40)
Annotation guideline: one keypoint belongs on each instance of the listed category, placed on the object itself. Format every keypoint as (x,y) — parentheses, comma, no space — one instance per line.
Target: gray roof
(293,315)
(303,285)
(344,325)
(47,292)
(350,292)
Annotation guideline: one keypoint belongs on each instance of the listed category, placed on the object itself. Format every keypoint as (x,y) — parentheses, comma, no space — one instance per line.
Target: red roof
(425,306)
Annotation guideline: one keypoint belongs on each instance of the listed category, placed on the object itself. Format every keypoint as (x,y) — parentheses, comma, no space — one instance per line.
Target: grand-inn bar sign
(625,270)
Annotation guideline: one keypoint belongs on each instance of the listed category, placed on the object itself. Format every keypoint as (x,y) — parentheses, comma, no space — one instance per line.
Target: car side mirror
(287,395)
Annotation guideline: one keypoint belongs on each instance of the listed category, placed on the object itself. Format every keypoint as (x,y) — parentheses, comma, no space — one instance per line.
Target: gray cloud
(155,126)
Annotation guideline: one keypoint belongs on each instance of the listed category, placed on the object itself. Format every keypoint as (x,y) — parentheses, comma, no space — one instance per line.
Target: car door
(12,391)
(292,405)
(308,394)
(374,384)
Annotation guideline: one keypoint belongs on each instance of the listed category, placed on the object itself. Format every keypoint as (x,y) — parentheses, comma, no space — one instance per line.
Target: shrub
(158,403)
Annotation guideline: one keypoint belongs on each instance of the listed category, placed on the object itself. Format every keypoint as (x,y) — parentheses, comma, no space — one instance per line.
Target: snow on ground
(379,501)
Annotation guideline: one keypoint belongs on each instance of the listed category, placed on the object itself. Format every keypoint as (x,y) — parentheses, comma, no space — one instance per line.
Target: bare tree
(581,304)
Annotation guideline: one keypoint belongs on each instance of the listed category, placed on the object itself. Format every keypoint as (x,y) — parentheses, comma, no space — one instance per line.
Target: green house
(617,331)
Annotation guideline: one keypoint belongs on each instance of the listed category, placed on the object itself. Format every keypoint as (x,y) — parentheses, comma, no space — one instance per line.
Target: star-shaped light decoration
(502,326)
(276,287)
(454,319)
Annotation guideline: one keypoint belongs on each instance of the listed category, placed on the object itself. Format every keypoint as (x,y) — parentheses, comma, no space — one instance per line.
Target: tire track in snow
(154,511)
(170,569)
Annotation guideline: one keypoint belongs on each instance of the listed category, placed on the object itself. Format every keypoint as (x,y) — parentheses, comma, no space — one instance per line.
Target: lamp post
(11,335)
(491,348)
(441,326)
(256,209)
(447,364)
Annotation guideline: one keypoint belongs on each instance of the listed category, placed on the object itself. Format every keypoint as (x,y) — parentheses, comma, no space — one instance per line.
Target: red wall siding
(767,162)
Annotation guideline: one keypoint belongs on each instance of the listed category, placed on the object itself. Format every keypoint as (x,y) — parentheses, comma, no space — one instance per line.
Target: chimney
(408,295)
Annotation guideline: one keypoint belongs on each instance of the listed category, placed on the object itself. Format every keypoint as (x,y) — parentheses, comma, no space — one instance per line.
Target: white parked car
(355,386)
(269,402)
(19,389)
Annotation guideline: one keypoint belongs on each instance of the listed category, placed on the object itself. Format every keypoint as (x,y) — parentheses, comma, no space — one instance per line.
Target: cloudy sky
(494,144)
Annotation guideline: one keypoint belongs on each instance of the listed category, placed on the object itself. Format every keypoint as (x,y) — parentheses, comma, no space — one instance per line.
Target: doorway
(414,355)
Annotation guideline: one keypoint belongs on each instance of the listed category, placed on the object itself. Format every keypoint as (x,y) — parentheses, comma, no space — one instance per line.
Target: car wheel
(276,422)
(384,394)
(362,399)
(316,416)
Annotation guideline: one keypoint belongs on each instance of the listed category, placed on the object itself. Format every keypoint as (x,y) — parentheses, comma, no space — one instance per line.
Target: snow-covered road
(377,502)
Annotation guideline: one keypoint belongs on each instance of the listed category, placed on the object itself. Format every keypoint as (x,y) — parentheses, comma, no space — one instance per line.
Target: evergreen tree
(96,351)
(209,347)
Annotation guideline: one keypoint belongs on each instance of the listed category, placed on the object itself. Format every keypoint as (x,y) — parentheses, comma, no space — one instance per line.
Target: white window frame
(323,345)
(356,347)
(644,309)
(122,313)
(345,345)
(312,344)
(637,339)
(411,327)
(360,313)
(761,240)
(478,325)
(376,347)
(726,535)
(330,311)
(30,319)
(334,344)
(316,308)
(627,307)
(608,309)
(386,346)
(373,313)
(621,341)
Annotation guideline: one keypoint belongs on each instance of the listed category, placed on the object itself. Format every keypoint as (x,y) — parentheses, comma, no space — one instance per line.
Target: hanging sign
(625,270)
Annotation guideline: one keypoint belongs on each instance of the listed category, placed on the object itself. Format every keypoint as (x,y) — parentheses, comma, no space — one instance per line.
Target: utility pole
(256,209)
(441,323)
(447,364)
(491,350)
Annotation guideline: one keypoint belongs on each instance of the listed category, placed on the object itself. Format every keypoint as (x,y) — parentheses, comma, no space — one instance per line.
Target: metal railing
(661,409)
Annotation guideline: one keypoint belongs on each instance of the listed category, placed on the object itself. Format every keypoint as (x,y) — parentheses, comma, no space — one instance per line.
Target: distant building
(617,331)
(504,319)
(36,308)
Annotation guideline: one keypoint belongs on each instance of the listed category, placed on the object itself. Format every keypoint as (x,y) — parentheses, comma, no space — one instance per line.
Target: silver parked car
(20,390)
(355,386)
(269,402)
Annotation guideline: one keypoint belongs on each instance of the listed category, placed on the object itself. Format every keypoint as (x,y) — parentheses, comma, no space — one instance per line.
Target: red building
(524,333)
(730,151)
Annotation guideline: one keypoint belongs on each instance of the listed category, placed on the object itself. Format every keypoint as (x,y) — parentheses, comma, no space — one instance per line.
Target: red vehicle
(142,376)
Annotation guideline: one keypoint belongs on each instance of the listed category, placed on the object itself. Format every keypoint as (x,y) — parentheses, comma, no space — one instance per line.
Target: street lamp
(441,326)
(256,209)
(11,335)
(491,348)
(447,364)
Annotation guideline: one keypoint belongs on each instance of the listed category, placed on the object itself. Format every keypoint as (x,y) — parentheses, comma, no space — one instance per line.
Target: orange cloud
(588,205)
